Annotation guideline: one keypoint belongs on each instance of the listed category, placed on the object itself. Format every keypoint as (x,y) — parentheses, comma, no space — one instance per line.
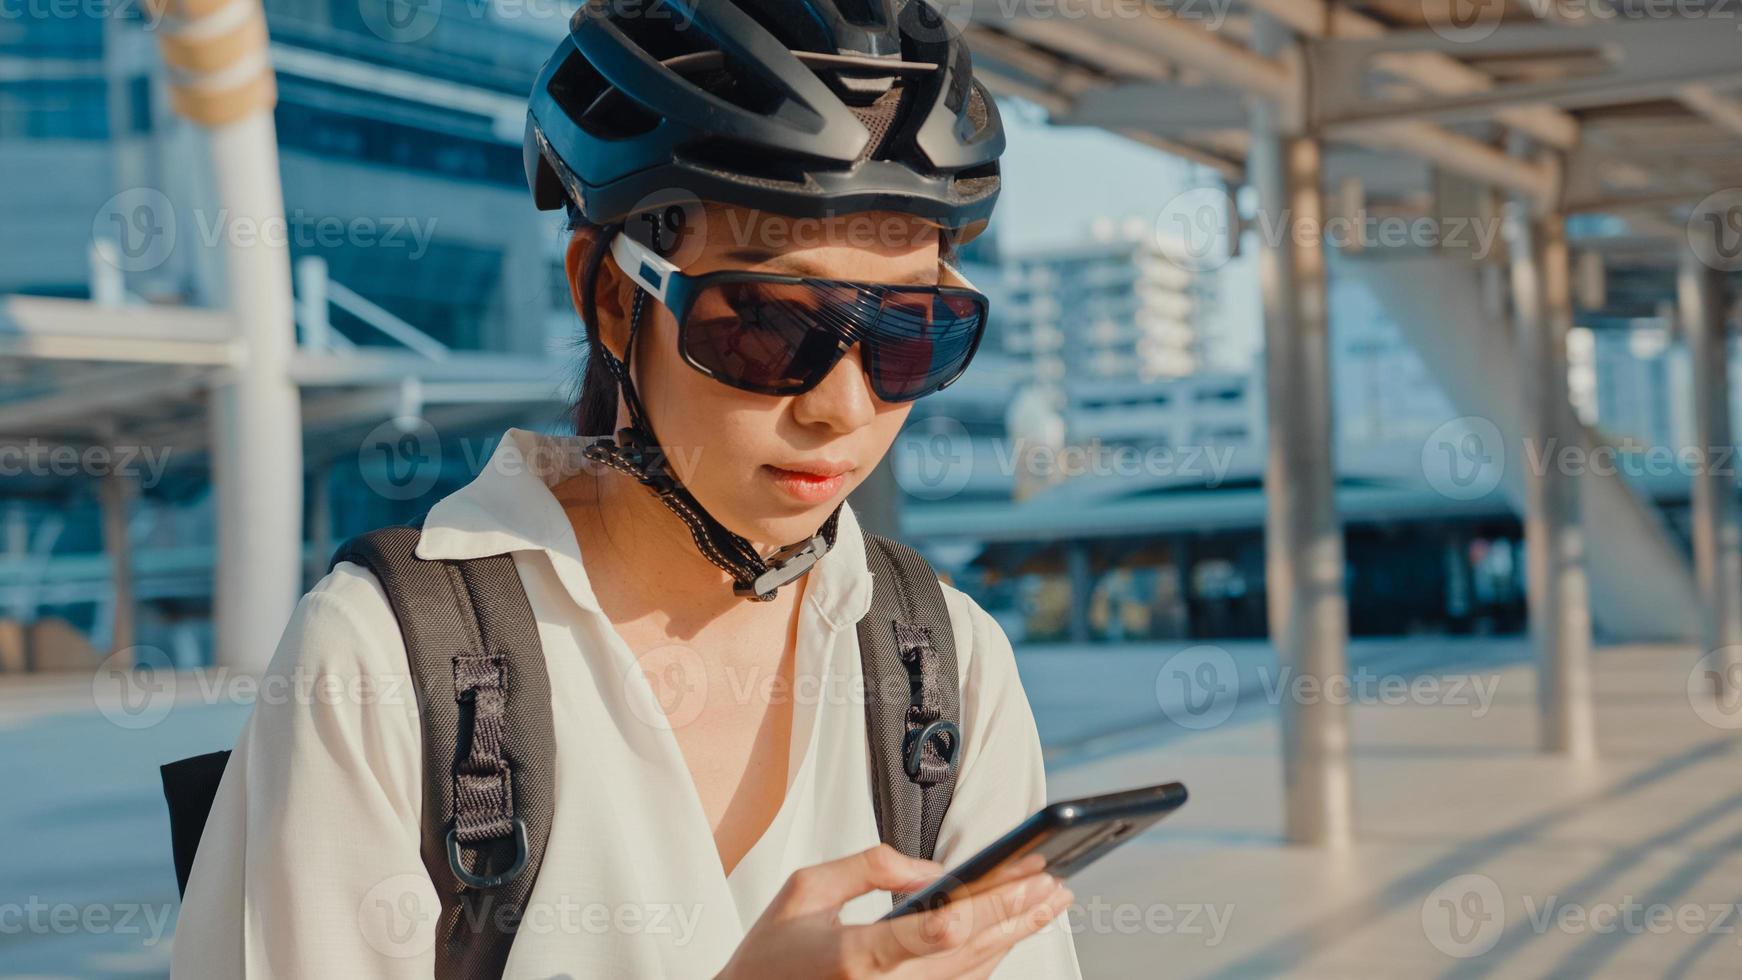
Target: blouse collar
(508,507)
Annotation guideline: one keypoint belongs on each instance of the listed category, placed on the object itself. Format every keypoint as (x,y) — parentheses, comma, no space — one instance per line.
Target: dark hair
(595,409)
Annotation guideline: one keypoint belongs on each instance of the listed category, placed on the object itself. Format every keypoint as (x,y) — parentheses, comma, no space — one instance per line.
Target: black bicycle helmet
(809,108)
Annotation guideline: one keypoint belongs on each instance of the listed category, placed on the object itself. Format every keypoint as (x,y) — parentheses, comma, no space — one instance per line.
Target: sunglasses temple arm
(647,268)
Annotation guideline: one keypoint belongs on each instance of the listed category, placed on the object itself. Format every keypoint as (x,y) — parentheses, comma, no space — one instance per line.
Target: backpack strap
(488,743)
(913,710)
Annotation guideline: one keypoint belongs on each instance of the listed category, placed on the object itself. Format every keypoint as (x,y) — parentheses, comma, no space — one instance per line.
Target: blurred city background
(1510,311)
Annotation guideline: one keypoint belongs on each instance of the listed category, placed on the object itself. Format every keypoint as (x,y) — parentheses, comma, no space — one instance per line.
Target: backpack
(488,740)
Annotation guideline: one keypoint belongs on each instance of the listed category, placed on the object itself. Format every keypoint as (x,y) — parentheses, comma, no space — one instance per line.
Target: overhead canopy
(1625,112)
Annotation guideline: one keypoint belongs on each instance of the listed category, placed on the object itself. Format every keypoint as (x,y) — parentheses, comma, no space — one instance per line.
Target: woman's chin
(781,533)
(773,519)
(770,531)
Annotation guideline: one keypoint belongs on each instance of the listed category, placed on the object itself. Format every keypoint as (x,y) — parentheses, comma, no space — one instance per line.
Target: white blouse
(309,864)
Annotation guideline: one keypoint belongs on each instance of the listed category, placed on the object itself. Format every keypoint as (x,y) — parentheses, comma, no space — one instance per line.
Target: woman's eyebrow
(786,262)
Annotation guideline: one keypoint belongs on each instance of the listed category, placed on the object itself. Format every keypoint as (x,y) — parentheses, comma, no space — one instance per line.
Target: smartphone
(1071,834)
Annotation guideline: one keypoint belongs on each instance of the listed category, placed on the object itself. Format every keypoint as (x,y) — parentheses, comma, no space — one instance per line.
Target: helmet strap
(636,452)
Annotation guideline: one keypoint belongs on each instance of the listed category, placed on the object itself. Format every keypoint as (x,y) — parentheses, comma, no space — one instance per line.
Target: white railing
(316,293)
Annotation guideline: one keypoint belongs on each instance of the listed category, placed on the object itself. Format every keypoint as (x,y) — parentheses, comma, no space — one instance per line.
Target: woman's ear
(612,295)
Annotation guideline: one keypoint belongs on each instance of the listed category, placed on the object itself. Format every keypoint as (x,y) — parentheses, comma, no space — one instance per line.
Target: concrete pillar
(108,282)
(115,494)
(312,303)
(1182,570)
(1082,582)
(1558,591)
(15,546)
(1717,539)
(320,518)
(1459,604)
(223,82)
(526,286)
(1303,536)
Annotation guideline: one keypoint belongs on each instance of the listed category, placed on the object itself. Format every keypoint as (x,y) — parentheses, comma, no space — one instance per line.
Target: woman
(713,816)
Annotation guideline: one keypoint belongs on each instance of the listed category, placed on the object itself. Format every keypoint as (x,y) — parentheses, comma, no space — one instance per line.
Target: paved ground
(1478,857)
(86,882)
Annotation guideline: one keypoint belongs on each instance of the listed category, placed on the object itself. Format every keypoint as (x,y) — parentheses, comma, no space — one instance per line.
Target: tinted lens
(781,337)
(922,341)
(773,336)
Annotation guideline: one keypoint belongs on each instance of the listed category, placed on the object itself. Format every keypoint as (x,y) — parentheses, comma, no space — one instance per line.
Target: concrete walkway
(87,885)
(1477,856)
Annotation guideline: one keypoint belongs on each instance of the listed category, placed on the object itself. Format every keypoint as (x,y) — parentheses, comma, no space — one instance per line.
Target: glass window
(60,109)
(332,134)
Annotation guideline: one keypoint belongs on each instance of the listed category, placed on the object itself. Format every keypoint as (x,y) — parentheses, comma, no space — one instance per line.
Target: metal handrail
(315,290)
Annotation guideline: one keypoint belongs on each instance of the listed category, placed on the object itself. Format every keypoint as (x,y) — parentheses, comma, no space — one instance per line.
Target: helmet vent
(861,13)
(751,164)
(977,108)
(976,180)
(879,119)
(608,114)
(718,74)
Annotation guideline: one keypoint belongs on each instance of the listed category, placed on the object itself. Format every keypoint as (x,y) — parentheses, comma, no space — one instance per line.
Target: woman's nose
(843,400)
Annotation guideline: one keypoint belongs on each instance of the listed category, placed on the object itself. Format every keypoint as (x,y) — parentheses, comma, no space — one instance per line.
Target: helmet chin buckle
(784,566)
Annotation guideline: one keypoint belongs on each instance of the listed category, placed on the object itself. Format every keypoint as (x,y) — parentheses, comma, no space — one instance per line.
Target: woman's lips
(805,487)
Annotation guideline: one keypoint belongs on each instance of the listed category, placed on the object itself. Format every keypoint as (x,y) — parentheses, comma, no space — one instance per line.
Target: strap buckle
(784,566)
(916,742)
(468,878)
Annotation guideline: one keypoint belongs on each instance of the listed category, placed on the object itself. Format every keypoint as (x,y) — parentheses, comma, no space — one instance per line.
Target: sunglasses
(781,335)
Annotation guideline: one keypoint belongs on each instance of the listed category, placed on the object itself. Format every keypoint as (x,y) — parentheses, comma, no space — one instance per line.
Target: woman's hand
(800,934)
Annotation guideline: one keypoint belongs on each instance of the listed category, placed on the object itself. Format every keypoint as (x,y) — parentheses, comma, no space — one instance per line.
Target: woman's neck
(643,562)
